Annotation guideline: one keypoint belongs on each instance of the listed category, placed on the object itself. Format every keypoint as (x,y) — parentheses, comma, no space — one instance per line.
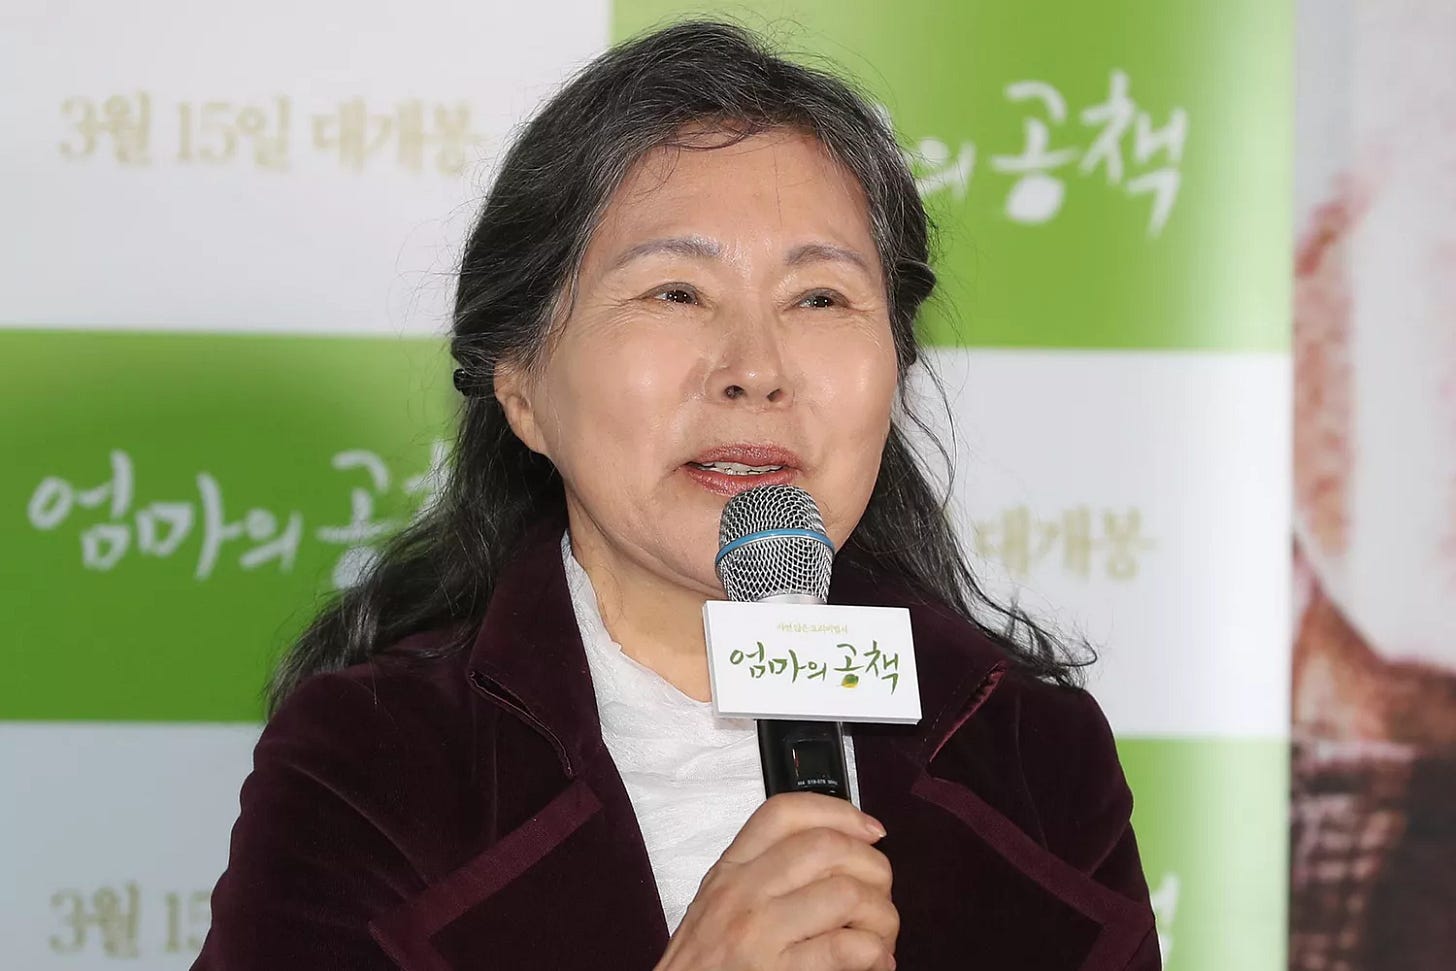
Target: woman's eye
(676,295)
(822,298)
(687,295)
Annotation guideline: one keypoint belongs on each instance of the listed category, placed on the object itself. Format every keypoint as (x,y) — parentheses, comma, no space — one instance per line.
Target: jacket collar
(528,656)
(958,665)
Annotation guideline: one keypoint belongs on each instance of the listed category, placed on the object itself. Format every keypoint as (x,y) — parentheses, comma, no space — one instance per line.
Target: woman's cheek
(622,374)
(871,396)
(856,408)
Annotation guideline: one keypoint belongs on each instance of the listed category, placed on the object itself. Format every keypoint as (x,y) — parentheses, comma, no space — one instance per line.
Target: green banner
(1111,174)
(166,527)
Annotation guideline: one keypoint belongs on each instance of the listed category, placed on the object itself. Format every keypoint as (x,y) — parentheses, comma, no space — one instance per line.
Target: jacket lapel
(565,881)
(975,887)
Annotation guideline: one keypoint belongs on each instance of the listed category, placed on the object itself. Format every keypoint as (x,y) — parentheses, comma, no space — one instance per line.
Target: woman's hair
(518,275)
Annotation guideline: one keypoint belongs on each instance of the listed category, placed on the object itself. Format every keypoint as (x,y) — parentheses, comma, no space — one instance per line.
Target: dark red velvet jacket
(464,813)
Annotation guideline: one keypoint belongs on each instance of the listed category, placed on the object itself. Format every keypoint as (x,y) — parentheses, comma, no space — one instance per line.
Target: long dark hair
(517,275)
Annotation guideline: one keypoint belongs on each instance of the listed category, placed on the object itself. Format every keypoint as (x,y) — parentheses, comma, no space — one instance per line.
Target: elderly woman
(697,271)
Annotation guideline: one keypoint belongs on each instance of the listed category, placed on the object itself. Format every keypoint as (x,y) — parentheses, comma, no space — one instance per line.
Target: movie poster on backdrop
(1374,771)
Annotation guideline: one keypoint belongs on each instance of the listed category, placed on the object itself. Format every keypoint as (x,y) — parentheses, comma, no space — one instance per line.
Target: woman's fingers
(800,887)
(846,949)
(813,854)
(833,902)
(792,812)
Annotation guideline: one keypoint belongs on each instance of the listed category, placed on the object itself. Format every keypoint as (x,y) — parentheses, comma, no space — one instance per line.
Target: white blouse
(693,778)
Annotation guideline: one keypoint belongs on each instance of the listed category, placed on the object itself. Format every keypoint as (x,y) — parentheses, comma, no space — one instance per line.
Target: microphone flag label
(812,662)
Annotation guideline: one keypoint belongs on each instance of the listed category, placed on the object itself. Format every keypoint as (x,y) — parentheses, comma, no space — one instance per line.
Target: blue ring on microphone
(772,534)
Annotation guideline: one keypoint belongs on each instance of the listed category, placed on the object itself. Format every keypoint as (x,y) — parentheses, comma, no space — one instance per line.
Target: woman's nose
(751,368)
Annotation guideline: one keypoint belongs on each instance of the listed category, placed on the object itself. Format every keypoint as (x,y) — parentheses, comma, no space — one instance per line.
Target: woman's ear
(515,391)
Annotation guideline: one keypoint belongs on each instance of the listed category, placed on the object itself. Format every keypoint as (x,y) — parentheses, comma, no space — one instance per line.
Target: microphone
(772,549)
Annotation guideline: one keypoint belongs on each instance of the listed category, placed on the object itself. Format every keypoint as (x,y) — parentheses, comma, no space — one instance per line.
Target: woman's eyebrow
(700,247)
(693,246)
(820,252)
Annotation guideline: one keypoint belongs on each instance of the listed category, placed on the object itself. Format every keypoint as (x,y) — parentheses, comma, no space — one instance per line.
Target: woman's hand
(801,887)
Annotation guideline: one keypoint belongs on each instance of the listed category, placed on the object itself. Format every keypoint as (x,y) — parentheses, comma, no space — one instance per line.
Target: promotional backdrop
(221,309)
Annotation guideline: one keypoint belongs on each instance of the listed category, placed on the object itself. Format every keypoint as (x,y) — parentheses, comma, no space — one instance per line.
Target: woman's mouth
(730,470)
(736,468)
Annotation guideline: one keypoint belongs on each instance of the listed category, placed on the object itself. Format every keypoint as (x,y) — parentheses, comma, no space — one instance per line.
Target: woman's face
(730,329)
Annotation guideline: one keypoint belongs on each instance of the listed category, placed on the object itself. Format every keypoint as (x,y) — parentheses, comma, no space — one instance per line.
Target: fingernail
(874,827)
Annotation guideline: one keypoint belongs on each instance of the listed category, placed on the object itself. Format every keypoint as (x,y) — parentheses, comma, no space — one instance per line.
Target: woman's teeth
(737,468)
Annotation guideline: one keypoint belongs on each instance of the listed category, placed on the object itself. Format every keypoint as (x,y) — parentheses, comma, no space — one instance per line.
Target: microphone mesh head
(773,566)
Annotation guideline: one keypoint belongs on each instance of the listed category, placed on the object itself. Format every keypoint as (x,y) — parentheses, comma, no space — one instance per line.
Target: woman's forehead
(775,183)
(776,156)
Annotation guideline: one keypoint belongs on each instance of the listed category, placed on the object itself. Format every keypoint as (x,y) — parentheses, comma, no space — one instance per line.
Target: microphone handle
(800,756)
